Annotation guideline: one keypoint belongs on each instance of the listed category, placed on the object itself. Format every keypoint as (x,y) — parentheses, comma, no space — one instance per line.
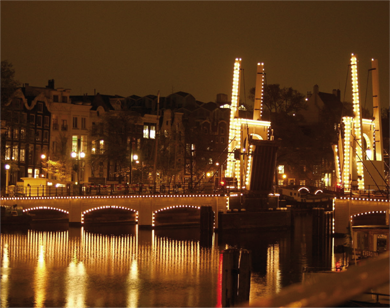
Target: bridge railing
(107,189)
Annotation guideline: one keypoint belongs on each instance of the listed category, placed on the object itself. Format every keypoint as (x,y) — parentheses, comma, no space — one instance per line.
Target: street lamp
(7,167)
(43,157)
(133,158)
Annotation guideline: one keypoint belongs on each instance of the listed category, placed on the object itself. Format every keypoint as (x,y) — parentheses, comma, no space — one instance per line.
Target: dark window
(38,135)
(45,136)
(75,122)
(64,99)
(22,133)
(31,119)
(46,122)
(39,121)
(40,107)
(64,125)
(23,118)
(83,123)
(55,98)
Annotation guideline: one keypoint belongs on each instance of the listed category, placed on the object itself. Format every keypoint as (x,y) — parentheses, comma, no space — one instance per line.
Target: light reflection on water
(126,267)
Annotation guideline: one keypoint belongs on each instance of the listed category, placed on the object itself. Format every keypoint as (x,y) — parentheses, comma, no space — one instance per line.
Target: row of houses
(51,121)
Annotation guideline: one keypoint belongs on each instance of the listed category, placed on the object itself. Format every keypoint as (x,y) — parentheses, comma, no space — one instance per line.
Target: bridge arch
(167,208)
(305,188)
(256,136)
(44,208)
(105,207)
(367,145)
(369,218)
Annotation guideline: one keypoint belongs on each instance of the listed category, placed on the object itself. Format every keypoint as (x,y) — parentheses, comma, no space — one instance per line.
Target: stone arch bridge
(145,206)
(345,208)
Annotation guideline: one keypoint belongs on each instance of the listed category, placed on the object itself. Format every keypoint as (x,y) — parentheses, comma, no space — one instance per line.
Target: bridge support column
(75,213)
(145,215)
(342,213)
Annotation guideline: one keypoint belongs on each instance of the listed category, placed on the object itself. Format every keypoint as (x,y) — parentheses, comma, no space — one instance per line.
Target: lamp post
(133,158)
(7,167)
(43,157)
(220,171)
(78,156)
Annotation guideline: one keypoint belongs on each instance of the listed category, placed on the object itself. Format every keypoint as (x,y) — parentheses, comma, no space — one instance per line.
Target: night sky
(140,48)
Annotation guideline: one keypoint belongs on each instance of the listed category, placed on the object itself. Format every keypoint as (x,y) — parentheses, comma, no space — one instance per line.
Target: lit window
(101,146)
(16,133)
(280,182)
(146,131)
(152,132)
(210,161)
(302,182)
(281,169)
(22,155)
(8,152)
(22,133)
(15,153)
(93,150)
(74,143)
(83,144)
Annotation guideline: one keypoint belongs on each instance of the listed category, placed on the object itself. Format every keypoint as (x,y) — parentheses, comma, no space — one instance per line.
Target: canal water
(122,266)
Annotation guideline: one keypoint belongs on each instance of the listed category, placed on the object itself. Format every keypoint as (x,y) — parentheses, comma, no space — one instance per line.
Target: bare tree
(119,132)
(59,163)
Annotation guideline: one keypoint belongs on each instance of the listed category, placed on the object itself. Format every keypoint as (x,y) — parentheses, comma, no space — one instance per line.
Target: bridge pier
(145,215)
(75,206)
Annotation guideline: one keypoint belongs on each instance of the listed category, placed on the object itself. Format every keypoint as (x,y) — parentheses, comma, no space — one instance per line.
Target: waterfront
(121,266)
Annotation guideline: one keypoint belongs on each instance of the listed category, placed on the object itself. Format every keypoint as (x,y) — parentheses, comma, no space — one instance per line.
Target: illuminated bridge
(348,209)
(146,208)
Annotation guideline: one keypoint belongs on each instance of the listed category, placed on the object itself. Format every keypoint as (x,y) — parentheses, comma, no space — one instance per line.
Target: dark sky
(130,47)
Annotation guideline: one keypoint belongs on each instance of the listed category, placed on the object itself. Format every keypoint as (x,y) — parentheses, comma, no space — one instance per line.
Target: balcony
(64,127)
(55,126)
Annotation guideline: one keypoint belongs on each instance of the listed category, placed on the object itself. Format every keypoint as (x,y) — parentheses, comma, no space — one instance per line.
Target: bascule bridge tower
(245,136)
(358,154)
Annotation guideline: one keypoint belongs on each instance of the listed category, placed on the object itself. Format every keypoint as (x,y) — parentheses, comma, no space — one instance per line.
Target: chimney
(50,84)
(316,89)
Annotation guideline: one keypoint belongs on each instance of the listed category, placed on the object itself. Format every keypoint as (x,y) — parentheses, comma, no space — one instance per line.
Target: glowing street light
(134,158)
(7,167)
(77,156)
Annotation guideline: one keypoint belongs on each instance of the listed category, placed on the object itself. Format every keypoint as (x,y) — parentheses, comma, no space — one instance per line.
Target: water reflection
(121,266)
(40,276)
(5,272)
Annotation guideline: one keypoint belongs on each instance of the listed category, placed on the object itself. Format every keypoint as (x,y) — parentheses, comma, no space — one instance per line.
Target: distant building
(317,102)
(27,131)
